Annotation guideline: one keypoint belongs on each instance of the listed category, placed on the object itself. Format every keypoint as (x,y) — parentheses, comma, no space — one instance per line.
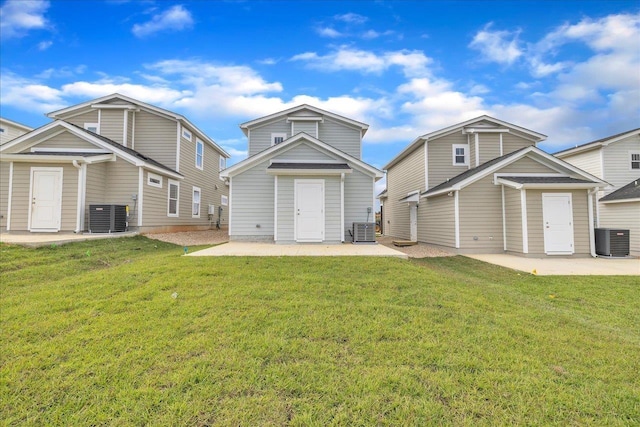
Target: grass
(129,332)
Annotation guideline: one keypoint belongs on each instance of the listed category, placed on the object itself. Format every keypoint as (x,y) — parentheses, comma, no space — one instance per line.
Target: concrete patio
(271,249)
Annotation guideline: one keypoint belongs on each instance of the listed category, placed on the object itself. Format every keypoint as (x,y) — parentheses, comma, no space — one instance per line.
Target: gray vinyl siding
(626,216)
(436,221)
(156,137)
(307,127)
(402,178)
(341,136)
(512,142)
(489,146)
(260,137)
(80,120)
(535,226)
(303,152)
(252,203)
(286,208)
(358,195)
(95,189)
(121,185)
(63,141)
(131,117)
(112,124)
(4,193)
(589,161)
(480,213)
(440,156)
(617,162)
(513,214)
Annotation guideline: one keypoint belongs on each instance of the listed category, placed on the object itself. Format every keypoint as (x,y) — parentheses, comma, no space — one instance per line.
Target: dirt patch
(421,250)
(192,238)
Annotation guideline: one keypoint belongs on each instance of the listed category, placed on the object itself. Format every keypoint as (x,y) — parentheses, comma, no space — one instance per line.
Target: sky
(567,69)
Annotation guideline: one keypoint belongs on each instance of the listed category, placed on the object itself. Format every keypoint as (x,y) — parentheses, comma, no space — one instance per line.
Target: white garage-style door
(309,210)
(46,199)
(557,216)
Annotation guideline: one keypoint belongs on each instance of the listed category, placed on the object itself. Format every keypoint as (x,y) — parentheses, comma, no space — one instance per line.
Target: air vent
(364,232)
(107,218)
(612,242)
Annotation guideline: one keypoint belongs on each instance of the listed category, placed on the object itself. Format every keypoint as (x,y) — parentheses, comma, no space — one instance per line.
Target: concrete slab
(564,266)
(271,249)
(35,240)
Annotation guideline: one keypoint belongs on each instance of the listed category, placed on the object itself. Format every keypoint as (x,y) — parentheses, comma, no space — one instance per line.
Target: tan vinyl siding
(358,195)
(341,136)
(112,124)
(441,158)
(513,214)
(131,117)
(260,137)
(4,193)
(512,142)
(402,178)
(96,184)
(580,221)
(303,152)
(80,120)
(480,212)
(307,127)
(156,137)
(589,161)
(436,221)
(63,141)
(526,165)
(489,146)
(252,203)
(10,132)
(617,162)
(121,185)
(625,216)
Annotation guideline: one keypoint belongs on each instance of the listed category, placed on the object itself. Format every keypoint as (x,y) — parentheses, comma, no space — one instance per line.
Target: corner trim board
(525,228)
(10,196)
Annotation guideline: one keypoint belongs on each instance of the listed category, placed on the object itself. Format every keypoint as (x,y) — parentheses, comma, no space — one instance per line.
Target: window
(277,138)
(186,134)
(199,154)
(196,202)
(635,160)
(224,201)
(92,127)
(1,130)
(174,197)
(223,163)
(154,180)
(460,155)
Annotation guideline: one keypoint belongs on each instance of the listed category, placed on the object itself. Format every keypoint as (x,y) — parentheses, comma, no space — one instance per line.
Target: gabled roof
(628,193)
(472,175)
(152,108)
(602,142)
(293,141)
(246,125)
(126,153)
(535,136)
(16,124)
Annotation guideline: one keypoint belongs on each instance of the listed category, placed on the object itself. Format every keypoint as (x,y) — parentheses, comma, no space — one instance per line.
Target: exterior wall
(4,193)
(20,203)
(121,180)
(513,216)
(156,137)
(131,117)
(436,221)
(535,224)
(307,127)
(303,152)
(252,204)
(112,124)
(402,178)
(440,157)
(95,190)
(63,141)
(512,142)
(617,162)
(489,146)
(341,136)
(480,213)
(526,165)
(9,132)
(383,213)
(589,161)
(260,137)
(626,216)
(90,116)
(358,196)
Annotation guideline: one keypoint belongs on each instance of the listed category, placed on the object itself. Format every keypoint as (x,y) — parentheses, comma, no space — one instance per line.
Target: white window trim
(186,134)
(631,153)
(466,154)
(171,182)
(91,125)
(198,142)
(224,200)
(222,163)
(275,135)
(151,176)
(193,201)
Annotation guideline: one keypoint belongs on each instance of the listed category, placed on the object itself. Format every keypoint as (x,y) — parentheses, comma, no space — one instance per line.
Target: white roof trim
(305,119)
(115,106)
(556,186)
(35,158)
(292,141)
(595,145)
(620,201)
(16,124)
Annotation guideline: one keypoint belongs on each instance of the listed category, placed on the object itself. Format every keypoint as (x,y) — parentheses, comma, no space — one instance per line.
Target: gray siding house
(616,160)
(10,130)
(112,150)
(482,186)
(304,180)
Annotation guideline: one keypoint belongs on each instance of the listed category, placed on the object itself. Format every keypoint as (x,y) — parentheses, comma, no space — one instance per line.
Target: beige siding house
(10,130)
(114,150)
(616,160)
(304,180)
(482,186)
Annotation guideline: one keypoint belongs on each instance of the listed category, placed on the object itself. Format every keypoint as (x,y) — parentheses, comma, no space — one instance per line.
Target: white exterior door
(413,221)
(46,199)
(309,210)
(557,216)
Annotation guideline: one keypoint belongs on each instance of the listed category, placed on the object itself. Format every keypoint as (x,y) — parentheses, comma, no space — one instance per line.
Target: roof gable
(630,192)
(602,142)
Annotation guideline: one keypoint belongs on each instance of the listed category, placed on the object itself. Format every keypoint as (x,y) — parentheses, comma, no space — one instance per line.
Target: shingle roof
(546,180)
(598,141)
(332,166)
(629,191)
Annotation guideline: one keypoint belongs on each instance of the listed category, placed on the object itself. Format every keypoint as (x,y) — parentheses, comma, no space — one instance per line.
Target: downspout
(592,242)
(79,204)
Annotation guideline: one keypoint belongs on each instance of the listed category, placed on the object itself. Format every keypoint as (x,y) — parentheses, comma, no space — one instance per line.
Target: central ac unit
(612,242)
(107,218)
(364,232)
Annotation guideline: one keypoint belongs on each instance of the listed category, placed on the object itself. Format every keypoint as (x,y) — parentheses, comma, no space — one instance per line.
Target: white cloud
(372,34)
(28,94)
(176,18)
(329,32)
(351,18)
(62,72)
(18,17)
(44,45)
(268,61)
(497,46)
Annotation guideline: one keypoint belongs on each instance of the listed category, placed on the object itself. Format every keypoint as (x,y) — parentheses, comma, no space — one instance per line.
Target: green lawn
(129,332)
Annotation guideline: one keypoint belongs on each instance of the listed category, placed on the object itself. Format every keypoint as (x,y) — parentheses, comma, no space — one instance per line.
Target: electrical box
(211,210)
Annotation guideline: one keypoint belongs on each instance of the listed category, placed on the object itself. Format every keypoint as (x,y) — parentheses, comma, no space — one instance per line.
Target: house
(482,186)
(113,150)
(10,130)
(304,179)
(616,160)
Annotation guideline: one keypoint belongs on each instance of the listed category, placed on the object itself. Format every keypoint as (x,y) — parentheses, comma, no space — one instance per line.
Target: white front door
(557,217)
(413,221)
(309,210)
(46,199)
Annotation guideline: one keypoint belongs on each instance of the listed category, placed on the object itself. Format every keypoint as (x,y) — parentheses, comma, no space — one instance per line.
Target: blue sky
(570,70)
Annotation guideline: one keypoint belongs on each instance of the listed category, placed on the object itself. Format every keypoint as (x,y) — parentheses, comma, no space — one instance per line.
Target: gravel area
(214,237)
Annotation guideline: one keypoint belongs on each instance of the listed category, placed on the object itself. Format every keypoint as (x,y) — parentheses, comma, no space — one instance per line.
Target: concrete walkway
(565,266)
(271,249)
(35,240)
